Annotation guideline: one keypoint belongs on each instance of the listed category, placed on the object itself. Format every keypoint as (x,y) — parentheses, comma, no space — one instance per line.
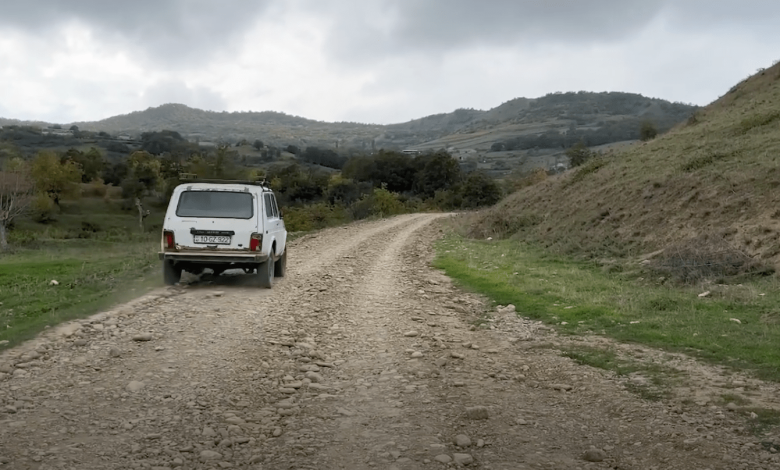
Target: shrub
(647,131)
(95,188)
(42,208)
(578,154)
(479,190)
(706,257)
(385,203)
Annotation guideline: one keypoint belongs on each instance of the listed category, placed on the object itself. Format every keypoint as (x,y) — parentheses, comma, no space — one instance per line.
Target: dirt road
(362,357)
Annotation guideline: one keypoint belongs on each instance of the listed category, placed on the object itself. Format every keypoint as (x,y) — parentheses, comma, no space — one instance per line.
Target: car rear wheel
(171,273)
(265,274)
(280,267)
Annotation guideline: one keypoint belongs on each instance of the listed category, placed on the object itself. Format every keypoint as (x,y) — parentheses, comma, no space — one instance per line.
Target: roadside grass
(91,275)
(655,378)
(580,297)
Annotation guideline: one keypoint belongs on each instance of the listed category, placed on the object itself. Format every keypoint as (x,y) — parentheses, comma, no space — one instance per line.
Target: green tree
(91,163)
(436,172)
(578,154)
(648,131)
(479,190)
(143,175)
(54,176)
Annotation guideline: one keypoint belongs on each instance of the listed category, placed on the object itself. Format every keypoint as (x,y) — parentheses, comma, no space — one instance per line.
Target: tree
(258,144)
(91,163)
(437,171)
(578,154)
(143,174)
(16,194)
(647,131)
(479,190)
(54,176)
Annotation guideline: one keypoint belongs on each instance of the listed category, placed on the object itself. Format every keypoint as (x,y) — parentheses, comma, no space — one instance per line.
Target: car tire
(280,267)
(171,273)
(265,274)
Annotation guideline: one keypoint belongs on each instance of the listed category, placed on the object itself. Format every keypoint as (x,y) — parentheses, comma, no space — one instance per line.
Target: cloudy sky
(377,61)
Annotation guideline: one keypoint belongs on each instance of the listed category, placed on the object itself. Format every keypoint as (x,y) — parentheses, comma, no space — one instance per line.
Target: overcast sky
(377,61)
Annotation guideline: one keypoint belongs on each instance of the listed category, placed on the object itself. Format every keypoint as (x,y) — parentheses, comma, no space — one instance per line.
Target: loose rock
(135,386)
(477,412)
(463,459)
(594,455)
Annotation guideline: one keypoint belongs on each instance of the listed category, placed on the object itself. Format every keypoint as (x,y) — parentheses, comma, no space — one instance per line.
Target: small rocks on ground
(142,337)
(594,455)
(462,440)
(208,455)
(135,386)
(561,387)
(477,412)
(463,459)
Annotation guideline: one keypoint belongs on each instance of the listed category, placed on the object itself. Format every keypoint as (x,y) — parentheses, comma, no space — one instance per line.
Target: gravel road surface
(363,357)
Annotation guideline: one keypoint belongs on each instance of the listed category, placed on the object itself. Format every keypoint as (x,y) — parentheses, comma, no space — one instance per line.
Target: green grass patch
(758,120)
(656,378)
(764,421)
(92,275)
(580,297)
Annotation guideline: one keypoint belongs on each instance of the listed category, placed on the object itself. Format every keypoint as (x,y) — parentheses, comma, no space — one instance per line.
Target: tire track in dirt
(323,372)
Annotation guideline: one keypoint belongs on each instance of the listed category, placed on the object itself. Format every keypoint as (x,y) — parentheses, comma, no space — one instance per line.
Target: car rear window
(215,204)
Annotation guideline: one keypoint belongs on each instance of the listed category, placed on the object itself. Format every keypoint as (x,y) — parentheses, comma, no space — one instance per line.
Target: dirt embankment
(363,357)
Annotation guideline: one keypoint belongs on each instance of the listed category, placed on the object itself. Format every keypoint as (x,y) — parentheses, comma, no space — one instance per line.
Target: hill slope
(714,180)
(519,116)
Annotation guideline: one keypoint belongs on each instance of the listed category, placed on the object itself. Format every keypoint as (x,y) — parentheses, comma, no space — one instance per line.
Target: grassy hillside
(557,111)
(707,192)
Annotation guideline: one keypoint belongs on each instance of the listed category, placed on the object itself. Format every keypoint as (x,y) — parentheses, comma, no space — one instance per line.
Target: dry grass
(717,174)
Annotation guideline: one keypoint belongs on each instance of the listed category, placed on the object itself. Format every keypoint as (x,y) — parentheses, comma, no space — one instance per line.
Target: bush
(385,203)
(647,131)
(42,208)
(578,154)
(706,257)
(314,217)
(479,190)
(95,188)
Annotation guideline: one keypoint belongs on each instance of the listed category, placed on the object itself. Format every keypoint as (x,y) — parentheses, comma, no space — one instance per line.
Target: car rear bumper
(229,257)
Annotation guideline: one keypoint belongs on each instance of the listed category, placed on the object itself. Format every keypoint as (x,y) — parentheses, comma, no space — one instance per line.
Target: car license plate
(211,239)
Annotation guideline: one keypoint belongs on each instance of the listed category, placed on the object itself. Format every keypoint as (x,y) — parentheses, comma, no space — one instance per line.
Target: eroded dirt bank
(362,357)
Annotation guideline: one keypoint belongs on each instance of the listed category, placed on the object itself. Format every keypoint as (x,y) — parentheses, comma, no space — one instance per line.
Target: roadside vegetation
(734,324)
(671,243)
(90,220)
(61,280)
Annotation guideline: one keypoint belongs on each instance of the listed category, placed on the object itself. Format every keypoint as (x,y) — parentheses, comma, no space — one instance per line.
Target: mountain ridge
(515,116)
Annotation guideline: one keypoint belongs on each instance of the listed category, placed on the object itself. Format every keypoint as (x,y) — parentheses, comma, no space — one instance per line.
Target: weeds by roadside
(648,380)
(89,275)
(734,325)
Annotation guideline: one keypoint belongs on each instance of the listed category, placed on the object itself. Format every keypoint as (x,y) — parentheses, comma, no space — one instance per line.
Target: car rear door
(215,218)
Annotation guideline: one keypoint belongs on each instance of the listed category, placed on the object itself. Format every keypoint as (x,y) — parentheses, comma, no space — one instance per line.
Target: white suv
(223,225)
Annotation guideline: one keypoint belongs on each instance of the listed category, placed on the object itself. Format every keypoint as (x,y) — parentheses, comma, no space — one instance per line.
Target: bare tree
(16,194)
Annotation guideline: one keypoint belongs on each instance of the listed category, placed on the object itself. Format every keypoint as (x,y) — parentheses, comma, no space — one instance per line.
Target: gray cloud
(169,32)
(373,61)
(433,27)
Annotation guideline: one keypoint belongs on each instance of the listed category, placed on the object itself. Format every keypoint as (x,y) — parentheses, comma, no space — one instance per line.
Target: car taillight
(255,242)
(170,242)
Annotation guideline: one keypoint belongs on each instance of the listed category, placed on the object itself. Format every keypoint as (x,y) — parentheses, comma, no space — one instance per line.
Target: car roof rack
(189,178)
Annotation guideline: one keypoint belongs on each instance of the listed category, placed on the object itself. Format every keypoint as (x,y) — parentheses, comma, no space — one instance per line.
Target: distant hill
(463,130)
(706,192)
